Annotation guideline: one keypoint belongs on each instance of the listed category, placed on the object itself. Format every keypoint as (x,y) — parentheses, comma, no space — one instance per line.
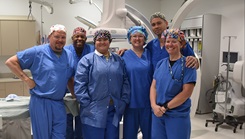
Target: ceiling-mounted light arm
(142,18)
(46,5)
(91,2)
(85,21)
(136,22)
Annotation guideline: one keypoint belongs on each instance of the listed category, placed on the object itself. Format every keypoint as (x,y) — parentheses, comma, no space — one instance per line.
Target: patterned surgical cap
(79,30)
(137,29)
(57,27)
(173,33)
(102,34)
(158,15)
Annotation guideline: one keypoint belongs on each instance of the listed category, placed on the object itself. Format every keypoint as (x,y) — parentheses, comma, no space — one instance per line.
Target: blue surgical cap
(137,29)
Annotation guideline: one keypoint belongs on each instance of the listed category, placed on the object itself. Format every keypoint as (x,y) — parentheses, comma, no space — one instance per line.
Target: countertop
(9,80)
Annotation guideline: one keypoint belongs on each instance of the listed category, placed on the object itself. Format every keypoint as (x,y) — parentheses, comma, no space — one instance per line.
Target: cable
(30,14)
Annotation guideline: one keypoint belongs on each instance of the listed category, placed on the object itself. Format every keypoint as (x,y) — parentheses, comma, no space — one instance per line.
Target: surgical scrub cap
(173,33)
(158,15)
(79,30)
(102,34)
(137,29)
(57,27)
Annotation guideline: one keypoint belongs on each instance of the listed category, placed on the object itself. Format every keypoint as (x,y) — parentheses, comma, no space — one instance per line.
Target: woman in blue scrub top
(103,90)
(170,92)
(139,68)
(52,68)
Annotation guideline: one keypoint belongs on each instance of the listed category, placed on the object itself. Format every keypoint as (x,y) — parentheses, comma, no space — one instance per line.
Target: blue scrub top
(167,88)
(86,49)
(50,73)
(96,82)
(159,53)
(140,72)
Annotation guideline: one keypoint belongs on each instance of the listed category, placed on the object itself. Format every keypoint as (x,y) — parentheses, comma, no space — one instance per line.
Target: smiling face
(102,45)
(137,40)
(173,47)
(79,40)
(57,40)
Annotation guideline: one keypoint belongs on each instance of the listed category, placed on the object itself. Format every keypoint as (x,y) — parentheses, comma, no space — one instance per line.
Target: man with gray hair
(52,69)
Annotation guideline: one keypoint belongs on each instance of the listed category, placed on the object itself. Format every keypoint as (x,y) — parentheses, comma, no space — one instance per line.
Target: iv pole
(227,71)
(225,120)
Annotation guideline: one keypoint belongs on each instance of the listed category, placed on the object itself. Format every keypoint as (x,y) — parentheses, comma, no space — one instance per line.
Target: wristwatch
(166,106)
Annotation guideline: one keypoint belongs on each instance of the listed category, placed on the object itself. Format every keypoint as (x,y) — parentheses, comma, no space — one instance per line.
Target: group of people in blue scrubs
(151,96)
(135,117)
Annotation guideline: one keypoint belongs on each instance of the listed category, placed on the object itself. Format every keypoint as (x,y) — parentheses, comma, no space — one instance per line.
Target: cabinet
(16,35)
(17,87)
(204,34)
(9,37)
(14,88)
(2,90)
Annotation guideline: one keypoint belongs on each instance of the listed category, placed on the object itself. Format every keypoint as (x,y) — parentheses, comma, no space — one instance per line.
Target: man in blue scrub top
(79,48)
(52,69)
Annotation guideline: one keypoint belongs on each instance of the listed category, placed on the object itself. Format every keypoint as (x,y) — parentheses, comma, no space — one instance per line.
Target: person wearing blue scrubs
(52,69)
(139,69)
(102,88)
(170,92)
(79,48)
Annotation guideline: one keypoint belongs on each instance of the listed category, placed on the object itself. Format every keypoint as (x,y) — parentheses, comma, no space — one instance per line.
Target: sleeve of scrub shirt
(187,51)
(81,82)
(126,85)
(26,57)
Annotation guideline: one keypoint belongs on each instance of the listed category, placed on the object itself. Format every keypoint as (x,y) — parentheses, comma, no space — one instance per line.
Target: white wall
(232,23)
(232,12)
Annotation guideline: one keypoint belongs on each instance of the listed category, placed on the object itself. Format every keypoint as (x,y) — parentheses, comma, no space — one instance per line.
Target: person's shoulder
(127,52)
(89,55)
(151,43)
(41,47)
(68,46)
(91,46)
(162,61)
(116,56)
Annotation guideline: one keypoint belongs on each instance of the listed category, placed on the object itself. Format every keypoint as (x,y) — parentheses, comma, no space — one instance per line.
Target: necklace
(182,70)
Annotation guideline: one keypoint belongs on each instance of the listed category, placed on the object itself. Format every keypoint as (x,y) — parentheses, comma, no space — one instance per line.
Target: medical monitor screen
(233,57)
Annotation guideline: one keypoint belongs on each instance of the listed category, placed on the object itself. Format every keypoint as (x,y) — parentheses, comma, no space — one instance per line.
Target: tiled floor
(199,131)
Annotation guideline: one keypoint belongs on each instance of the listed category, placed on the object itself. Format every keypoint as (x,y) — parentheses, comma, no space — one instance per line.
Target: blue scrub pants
(135,118)
(110,132)
(48,118)
(166,127)
(72,133)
